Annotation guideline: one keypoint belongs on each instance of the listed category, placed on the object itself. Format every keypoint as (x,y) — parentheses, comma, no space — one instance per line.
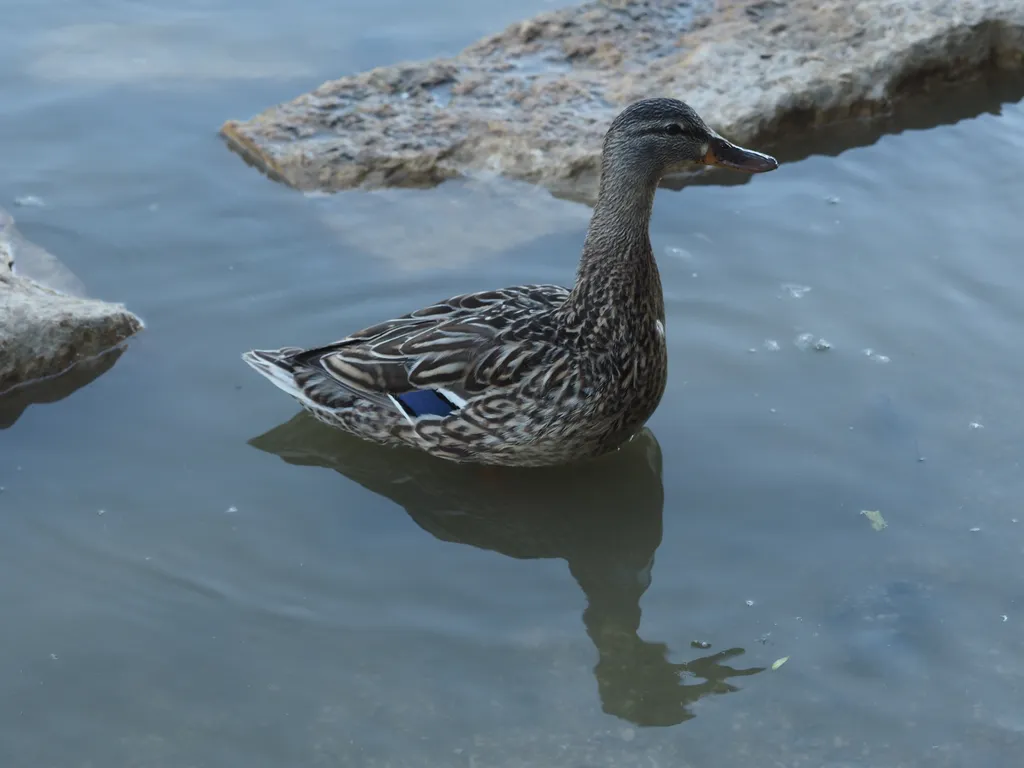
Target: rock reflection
(14,402)
(604,518)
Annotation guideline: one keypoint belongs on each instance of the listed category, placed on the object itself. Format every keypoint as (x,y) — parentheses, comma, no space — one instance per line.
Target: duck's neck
(617,278)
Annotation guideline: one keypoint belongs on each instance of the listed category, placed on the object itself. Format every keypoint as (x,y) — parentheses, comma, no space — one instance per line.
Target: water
(194,576)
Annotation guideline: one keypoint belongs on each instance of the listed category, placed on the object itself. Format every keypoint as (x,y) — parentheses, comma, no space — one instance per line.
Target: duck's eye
(674,129)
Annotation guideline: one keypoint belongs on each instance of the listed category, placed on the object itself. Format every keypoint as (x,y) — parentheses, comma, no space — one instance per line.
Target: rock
(44,332)
(533,102)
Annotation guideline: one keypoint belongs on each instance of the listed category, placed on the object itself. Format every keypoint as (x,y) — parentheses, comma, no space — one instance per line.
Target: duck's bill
(725,154)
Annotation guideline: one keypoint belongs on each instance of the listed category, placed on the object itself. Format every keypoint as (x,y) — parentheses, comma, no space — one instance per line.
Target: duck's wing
(431,361)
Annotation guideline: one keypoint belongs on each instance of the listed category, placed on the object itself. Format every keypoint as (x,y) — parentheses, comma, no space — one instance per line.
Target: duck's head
(655,135)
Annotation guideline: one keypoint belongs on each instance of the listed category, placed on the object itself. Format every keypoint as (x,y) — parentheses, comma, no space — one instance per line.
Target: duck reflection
(603,517)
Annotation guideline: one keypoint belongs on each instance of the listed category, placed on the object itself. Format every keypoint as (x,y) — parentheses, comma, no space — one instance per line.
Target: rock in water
(44,332)
(533,102)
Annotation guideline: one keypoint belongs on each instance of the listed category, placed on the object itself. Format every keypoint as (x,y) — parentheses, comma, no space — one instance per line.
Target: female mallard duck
(533,374)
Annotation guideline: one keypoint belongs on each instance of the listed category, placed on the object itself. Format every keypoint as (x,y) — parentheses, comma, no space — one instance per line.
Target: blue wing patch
(424,402)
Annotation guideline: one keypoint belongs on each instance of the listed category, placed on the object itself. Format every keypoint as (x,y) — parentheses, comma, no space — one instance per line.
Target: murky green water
(191,575)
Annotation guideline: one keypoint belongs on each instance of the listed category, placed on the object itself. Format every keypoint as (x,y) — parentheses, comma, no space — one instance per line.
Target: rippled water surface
(192,575)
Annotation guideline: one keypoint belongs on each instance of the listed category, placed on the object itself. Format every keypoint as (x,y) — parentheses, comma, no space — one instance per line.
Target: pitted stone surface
(533,101)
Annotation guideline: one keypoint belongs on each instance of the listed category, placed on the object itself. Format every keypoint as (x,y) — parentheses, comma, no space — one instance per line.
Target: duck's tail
(276,365)
(286,369)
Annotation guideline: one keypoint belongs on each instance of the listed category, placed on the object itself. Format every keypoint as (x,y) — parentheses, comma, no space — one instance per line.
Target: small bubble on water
(678,253)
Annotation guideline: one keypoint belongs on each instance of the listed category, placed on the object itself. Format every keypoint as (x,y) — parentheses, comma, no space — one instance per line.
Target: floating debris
(771,345)
(702,644)
(231,510)
(869,352)
(101,512)
(749,603)
(832,200)
(877,521)
(29,201)
(976,425)
(795,290)
(975,529)
(779,662)
(807,341)
(1005,618)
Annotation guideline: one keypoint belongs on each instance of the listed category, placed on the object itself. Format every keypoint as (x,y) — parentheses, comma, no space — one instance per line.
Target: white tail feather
(277,376)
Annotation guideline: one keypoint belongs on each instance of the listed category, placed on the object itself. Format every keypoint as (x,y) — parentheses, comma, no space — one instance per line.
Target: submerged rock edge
(45,333)
(758,71)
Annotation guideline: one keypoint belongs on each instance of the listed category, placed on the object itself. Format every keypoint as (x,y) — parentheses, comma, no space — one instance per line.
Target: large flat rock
(45,332)
(533,102)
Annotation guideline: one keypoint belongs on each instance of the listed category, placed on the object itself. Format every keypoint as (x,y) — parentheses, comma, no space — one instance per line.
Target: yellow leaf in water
(877,521)
(779,662)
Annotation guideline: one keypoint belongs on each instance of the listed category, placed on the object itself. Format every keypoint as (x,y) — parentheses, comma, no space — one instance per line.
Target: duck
(527,375)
